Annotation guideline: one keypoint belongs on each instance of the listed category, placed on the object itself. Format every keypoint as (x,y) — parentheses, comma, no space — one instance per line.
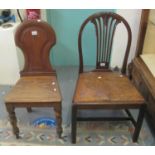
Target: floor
(67,78)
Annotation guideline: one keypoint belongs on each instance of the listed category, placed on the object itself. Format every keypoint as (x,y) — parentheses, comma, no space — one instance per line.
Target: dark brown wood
(13,120)
(102,88)
(142,31)
(38,85)
(131,117)
(141,36)
(106,88)
(105,26)
(74,122)
(35,40)
(145,83)
(140,73)
(29,109)
(57,110)
(139,123)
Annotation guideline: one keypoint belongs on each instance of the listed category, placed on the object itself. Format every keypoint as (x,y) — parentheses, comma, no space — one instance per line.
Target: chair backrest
(105,26)
(35,38)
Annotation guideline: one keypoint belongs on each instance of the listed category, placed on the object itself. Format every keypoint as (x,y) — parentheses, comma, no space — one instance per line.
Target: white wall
(7,57)
(11,58)
(133,17)
(9,68)
(23,14)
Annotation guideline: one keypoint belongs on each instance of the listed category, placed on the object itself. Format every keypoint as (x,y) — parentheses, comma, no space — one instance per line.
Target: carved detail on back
(35,38)
(105,26)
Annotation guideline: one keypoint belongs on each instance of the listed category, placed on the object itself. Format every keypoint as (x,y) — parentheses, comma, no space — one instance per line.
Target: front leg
(139,123)
(57,110)
(74,124)
(13,120)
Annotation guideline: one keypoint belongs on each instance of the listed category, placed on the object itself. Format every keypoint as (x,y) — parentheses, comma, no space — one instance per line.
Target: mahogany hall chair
(103,88)
(38,85)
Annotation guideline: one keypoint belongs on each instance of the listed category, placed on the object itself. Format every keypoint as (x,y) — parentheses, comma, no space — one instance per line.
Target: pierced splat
(105,25)
(100,89)
(105,28)
(35,39)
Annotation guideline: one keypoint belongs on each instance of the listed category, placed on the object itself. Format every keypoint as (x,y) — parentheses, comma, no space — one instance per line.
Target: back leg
(29,109)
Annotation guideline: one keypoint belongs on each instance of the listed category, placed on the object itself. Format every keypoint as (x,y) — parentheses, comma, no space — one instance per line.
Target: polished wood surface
(106,88)
(38,85)
(145,74)
(35,40)
(141,76)
(102,88)
(142,31)
(35,89)
(145,83)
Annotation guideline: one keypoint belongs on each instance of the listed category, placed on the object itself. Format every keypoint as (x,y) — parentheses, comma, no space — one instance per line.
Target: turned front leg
(57,110)
(13,120)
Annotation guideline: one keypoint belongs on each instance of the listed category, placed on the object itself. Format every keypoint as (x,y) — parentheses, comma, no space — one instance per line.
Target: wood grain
(106,88)
(35,40)
(102,88)
(35,89)
(38,85)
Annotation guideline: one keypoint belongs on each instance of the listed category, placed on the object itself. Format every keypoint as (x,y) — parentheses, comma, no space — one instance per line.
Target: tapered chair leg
(139,123)
(73,130)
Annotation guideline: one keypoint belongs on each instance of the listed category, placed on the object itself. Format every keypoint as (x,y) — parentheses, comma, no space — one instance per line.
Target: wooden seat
(35,89)
(102,88)
(115,83)
(38,85)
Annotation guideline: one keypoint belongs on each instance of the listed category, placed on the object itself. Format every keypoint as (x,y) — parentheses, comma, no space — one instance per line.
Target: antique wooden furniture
(143,65)
(102,88)
(37,86)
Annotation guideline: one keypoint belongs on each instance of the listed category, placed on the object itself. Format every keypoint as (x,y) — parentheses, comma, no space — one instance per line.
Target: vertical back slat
(105,26)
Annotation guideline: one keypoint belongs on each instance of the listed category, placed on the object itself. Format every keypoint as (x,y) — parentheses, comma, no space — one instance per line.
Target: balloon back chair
(37,86)
(102,88)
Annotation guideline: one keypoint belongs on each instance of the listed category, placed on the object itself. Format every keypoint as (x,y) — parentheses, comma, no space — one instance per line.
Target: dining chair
(103,88)
(38,85)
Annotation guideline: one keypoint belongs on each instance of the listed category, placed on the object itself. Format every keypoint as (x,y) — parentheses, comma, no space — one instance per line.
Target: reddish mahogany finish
(38,86)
